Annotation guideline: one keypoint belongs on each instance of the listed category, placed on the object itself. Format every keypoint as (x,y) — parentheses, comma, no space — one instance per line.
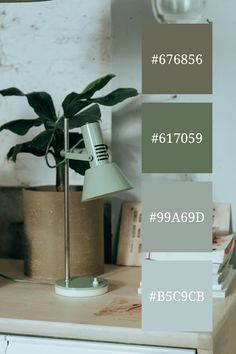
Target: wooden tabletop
(31,309)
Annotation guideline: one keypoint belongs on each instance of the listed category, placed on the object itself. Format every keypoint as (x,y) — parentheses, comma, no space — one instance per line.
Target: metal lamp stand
(78,286)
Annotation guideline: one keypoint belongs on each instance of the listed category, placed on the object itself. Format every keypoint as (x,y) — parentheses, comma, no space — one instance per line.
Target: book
(222,274)
(219,294)
(217,267)
(223,248)
(224,285)
(222,293)
(221,252)
(221,218)
(129,248)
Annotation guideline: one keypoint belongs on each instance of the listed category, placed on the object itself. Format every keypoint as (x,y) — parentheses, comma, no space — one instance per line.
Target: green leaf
(21,126)
(11,91)
(74,138)
(76,165)
(41,141)
(23,148)
(79,166)
(89,115)
(116,96)
(96,85)
(58,143)
(42,104)
(72,104)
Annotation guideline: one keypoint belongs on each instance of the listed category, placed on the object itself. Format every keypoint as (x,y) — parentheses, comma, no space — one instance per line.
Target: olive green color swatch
(177,138)
(177,59)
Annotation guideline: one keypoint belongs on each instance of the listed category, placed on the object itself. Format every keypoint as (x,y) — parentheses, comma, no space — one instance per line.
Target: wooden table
(35,310)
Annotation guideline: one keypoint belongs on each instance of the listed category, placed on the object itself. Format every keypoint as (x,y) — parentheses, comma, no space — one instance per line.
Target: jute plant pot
(44,234)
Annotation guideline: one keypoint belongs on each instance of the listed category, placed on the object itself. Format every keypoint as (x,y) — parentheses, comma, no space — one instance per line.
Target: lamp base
(81,287)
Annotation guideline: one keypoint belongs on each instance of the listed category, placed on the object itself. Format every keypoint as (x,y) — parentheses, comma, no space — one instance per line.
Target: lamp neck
(94,144)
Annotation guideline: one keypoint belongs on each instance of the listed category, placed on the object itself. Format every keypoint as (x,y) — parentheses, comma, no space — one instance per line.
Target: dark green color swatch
(177,59)
(186,129)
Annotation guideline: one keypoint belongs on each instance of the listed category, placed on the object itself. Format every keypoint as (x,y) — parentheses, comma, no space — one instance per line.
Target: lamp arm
(77,154)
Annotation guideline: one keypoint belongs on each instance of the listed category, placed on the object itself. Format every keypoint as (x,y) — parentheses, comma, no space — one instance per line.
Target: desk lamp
(103,178)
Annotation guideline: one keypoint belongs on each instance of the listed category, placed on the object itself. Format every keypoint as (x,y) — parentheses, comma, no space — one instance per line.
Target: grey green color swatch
(177,296)
(177,59)
(176,216)
(177,138)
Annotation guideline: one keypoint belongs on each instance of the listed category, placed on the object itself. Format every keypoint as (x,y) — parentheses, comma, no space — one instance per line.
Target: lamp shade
(104,180)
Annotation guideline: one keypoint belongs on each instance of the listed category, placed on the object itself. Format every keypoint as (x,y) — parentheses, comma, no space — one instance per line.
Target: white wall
(57,46)
(128,16)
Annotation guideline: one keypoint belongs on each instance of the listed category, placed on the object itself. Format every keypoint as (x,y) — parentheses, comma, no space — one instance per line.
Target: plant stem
(60,178)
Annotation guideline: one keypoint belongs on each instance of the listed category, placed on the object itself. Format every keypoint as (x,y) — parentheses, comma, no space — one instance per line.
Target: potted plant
(43,206)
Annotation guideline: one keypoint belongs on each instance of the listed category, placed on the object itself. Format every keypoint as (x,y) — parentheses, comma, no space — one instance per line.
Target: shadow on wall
(11,223)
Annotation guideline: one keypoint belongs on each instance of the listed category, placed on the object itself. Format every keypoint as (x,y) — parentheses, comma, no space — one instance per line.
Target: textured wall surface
(57,46)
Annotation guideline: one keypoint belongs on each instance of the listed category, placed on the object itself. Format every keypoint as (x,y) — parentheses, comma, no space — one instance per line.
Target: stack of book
(223,272)
(223,246)
(222,250)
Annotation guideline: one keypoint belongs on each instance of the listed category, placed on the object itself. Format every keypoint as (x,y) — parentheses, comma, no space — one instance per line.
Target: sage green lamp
(106,179)
(103,178)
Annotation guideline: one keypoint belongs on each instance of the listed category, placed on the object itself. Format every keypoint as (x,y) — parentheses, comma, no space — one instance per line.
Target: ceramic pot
(44,234)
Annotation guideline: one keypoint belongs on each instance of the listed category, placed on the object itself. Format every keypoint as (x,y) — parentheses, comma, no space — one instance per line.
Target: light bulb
(178,11)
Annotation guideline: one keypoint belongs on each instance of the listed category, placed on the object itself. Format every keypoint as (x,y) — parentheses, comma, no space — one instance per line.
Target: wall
(128,16)
(57,46)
